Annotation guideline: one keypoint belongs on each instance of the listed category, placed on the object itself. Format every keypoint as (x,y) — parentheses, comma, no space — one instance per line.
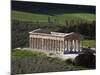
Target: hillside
(38,62)
(61,18)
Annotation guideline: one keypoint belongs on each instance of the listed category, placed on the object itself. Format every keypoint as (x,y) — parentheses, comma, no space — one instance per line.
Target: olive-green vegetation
(61,18)
(25,53)
(36,62)
(86,59)
(89,43)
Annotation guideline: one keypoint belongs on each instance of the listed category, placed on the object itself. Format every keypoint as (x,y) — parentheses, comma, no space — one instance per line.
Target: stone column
(53,45)
(42,43)
(29,42)
(57,45)
(60,46)
(46,44)
(63,45)
(79,45)
(74,45)
(49,44)
(32,43)
(37,43)
(67,45)
(71,47)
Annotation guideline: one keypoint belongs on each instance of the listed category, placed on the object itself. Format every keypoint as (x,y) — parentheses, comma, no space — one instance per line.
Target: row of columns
(55,45)
(73,46)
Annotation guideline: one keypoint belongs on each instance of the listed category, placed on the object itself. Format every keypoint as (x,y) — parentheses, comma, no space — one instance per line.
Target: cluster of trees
(86,60)
(87,29)
(20,29)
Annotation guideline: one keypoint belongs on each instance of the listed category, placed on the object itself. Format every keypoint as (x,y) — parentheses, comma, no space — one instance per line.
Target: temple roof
(46,32)
(40,31)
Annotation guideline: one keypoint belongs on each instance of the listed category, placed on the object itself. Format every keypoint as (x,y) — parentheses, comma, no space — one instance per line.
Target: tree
(86,59)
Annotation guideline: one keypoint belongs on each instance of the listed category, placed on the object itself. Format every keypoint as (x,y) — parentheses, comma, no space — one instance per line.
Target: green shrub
(86,60)
(69,61)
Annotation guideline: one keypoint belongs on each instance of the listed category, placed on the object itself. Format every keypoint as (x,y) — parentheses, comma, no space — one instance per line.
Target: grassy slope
(18,15)
(32,62)
(23,53)
(28,16)
(89,43)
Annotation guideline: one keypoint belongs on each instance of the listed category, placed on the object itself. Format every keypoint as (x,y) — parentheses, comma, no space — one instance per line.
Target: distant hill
(33,17)
(51,8)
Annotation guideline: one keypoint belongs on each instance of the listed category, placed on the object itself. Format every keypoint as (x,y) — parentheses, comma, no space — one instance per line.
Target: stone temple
(55,42)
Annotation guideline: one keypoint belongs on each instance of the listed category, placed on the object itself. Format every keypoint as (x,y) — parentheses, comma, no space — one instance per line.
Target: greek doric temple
(55,42)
